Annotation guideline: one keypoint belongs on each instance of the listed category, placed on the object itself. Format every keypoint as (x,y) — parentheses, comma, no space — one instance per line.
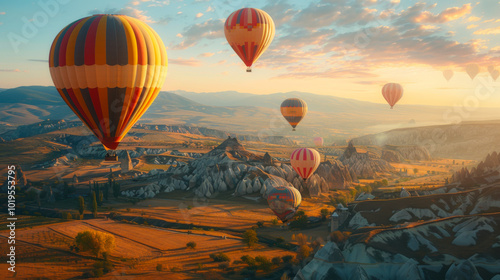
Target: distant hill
(329,116)
(467,140)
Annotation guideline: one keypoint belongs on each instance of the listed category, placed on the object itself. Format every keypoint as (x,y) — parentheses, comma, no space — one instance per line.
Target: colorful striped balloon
(392,92)
(109,70)
(249,31)
(284,201)
(293,110)
(305,161)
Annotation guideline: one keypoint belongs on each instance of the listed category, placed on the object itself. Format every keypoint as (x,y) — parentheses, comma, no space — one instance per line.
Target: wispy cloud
(39,60)
(12,70)
(488,31)
(193,34)
(199,15)
(207,54)
(184,62)
(129,11)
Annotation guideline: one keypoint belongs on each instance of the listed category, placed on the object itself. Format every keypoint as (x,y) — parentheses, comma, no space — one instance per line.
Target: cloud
(39,60)
(184,62)
(2,13)
(207,54)
(488,31)
(221,62)
(128,11)
(472,26)
(331,73)
(473,19)
(179,35)
(10,70)
(447,15)
(211,29)
(209,9)
(199,15)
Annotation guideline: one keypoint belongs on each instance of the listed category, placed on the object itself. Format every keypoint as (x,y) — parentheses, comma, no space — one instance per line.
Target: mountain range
(328,116)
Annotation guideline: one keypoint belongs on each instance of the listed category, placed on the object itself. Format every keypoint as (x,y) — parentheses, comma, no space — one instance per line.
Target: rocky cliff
(405,153)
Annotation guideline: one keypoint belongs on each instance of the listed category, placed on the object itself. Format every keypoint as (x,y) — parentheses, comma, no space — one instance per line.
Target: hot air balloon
(494,74)
(318,141)
(108,69)
(294,110)
(392,92)
(472,70)
(305,161)
(284,201)
(448,74)
(249,31)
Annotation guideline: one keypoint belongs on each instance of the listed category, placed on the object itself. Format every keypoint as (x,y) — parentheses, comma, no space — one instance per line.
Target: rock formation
(402,153)
(125,162)
(363,164)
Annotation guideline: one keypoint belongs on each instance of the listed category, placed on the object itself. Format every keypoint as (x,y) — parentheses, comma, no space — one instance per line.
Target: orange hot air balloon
(305,161)
(448,74)
(392,92)
(284,201)
(109,70)
(472,70)
(249,31)
(293,110)
(318,141)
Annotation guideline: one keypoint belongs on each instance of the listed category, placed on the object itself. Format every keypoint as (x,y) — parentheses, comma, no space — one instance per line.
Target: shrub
(304,251)
(191,245)
(224,265)
(324,213)
(287,258)
(159,267)
(276,260)
(260,224)
(248,260)
(264,263)
(220,257)
(250,237)
(274,221)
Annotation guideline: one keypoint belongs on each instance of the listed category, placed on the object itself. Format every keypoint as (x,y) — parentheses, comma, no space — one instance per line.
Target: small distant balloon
(318,141)
(392,93)
(491,68)
(494,74)
(293,110)
(472,70)
(448,74)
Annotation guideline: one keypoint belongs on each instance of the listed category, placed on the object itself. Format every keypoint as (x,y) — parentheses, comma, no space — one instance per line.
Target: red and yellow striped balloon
(305,161)
(392,92)
(109,70)
(249,31)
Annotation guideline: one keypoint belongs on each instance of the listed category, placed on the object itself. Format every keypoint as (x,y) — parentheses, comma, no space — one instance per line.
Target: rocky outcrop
(230,167)
(405,153)
(125,162)
(363,164)
(47,126)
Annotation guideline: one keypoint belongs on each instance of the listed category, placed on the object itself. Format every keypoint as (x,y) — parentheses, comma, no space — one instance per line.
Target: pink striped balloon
(305,161)
(318,141)
(392,92)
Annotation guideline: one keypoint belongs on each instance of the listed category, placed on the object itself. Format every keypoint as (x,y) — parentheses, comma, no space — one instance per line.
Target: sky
(331,47)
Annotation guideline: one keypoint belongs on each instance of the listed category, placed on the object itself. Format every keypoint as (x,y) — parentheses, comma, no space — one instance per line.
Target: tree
(250,237)
(101,196)
(324,213)
(304,251)
(106,191)
(81,206)
(116,189)
(415,170)
(98,243)
(191,245)
(94,205)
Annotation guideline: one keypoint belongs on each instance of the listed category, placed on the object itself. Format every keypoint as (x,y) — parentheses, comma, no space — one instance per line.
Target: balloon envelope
(249,31)
(305,161)
(392,93)
(472,70)
(108,69)
(293,110)
(318,141)
(448,74)
(284,201)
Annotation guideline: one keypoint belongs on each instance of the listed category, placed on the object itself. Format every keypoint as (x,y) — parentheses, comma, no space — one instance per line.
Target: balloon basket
(249,69)
(293,129)
(111,158)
